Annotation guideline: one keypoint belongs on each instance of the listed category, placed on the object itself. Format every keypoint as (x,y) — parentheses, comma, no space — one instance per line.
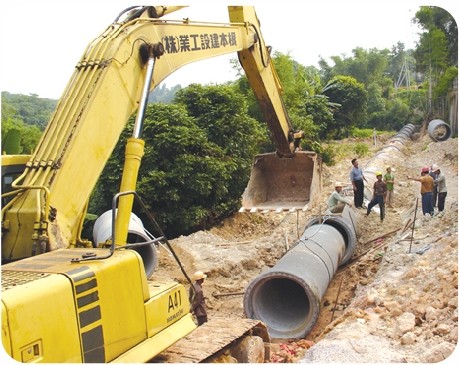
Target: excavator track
(219,338)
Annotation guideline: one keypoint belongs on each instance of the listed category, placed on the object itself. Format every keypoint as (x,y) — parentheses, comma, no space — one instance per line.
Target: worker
(433,175)
(389,180)
(336,201)
(196,295)
(356,176)
(440,185)
(379,195)
(427,184)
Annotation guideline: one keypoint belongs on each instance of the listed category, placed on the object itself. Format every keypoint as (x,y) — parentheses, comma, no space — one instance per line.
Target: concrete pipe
(102,231)
(346,224)
(439,131)
(287,296)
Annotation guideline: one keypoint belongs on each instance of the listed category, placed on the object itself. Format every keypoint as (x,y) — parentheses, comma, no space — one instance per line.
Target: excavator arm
(106,88)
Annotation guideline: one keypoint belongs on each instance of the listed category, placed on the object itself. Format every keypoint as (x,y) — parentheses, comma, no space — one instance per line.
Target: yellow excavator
(67,299)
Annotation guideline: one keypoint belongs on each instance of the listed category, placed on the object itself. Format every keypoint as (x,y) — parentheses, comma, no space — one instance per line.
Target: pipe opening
(284,305)
(439,131)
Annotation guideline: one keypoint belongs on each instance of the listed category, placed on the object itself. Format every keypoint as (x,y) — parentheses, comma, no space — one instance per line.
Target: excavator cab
(283,183)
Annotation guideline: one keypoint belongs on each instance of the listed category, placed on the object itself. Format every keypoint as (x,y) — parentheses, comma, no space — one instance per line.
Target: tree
(222,113)
(436,53)
(432,18)
(301,91)
(366,66)
(352,99)
(197,159)
(26,114)
(29,135)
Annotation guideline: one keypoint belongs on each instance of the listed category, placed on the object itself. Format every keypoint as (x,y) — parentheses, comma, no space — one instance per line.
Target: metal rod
(336,299)
(138,126)
(414,222)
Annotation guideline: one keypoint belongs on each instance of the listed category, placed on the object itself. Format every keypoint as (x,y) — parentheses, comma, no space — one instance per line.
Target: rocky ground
(395,301)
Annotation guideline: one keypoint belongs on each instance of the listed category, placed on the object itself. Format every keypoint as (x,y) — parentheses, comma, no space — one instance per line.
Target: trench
(290,296)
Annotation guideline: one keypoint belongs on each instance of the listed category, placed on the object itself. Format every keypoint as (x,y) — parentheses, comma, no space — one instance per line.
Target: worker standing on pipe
(379,196)
(336,201)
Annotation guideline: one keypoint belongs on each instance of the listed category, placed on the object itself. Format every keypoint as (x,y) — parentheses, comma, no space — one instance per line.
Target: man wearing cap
(433,175)
(196,295)
(389,180)
(440,185)
(427,184)
(379,195)
(336,201)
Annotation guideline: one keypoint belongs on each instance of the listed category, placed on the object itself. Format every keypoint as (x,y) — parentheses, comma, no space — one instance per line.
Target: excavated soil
(395,301)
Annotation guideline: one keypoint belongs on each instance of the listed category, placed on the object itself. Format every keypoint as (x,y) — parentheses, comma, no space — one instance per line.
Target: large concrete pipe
(287,296)
(386,155)
(438,130)
(102,231)
(346,224)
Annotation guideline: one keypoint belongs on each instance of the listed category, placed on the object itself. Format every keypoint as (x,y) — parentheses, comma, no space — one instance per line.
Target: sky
(41,41)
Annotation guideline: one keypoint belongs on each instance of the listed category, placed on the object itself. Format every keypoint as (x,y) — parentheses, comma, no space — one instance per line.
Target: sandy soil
(395,301)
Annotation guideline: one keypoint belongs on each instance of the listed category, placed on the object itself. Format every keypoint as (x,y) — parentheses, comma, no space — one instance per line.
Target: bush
(361,149)
(362,133)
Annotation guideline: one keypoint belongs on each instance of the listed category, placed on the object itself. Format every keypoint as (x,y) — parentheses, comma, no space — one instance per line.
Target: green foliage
(31,109)
(394,117)
(328,154)
(197,159)
(362,133)
(26,114)
(436,53)
(12,142)
(361,149)
(366,66)
(376,100)
(416,100)
(162,94)
(352,98)
(445,81)
(222,112)
(432,18)
(336,150)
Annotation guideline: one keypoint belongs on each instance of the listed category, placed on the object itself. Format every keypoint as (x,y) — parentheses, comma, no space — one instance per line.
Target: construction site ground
(395,301)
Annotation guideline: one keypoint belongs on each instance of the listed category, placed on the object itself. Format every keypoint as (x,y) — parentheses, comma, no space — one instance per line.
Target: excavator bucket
(280,184)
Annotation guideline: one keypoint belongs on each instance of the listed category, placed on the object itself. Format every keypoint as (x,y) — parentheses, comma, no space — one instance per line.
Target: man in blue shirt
(356,176)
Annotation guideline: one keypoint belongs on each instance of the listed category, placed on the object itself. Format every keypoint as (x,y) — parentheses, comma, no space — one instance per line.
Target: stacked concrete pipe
(386,156)
(287,296)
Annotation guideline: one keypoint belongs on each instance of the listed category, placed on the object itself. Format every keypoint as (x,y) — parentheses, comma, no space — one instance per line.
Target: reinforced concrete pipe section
(387,153)
(438,130)
(287,296)
(102,231)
